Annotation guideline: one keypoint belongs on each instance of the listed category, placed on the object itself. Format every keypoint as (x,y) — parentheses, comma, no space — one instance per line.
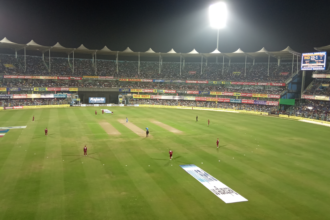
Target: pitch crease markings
(108,128)
(165,126)
(133,128)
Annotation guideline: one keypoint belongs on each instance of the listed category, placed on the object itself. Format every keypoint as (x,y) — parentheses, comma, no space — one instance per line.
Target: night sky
(165,24)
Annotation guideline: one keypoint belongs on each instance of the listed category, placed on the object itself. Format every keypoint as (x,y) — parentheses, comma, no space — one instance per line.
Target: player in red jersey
(208,122)
(218,143)
(33,118)
(95,112)
(102,111)
(46,131)
(85,150)
(171,153)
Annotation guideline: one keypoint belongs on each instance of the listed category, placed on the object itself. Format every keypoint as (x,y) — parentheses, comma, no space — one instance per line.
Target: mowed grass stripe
(169,184)
(51,198)
(13,151)
(26,189)
(119,186)
(262,183)
(78,200)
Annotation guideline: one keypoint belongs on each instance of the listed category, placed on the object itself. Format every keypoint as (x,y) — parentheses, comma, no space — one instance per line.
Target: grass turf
(280,166)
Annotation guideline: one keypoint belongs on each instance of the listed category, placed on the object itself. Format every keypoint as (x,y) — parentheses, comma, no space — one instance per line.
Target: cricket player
(85,150)
(33,118)
(102,111)
(196,118)
(208,122)
(46,131)
(171,153)
(218,143)
(95,112)
(126,120)
(147,132)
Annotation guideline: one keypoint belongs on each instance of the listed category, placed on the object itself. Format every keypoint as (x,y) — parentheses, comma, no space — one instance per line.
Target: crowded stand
(319,110)
(319,87)
(129,69)
(234,106)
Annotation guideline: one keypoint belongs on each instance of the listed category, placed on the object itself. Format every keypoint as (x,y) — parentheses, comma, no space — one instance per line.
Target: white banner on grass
(225,193)
(13,127)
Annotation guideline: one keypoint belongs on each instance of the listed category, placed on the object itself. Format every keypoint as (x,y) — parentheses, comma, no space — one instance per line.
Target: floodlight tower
(218,17)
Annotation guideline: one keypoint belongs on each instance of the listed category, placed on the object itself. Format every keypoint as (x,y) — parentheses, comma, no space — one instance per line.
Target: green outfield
(281,166)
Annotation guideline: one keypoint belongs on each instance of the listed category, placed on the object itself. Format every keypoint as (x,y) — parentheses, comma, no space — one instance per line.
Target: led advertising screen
(96,100)
(313,61)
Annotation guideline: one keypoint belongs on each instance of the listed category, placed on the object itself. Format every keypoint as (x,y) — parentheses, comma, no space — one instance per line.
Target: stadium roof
(285,54)
(323,48)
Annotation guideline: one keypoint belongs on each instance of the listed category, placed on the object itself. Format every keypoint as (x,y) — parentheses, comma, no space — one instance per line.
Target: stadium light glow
(218,15)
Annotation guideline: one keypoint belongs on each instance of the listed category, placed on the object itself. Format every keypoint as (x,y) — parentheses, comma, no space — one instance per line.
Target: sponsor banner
(243,83)
(180,91)
(18,107)
(236,100)
(192,72)
(83,105)
(72,89)
(247,101)
(44,77)
(124,90)
(246,94)
(46,96)
(211,99)
(5,108)
(105,77)
(141,96)
(5,96)
(272,103)
(17,77)
(136,90)
(237,94)
(13,89)
(192,92)
(204,93)
(27,89)
(60,96)
(215,93)
(90,77)
(274,96)
(191,98)
(260,95)
(94,100)
(219,189)
(3,89)
(325,85)
(19,96)
(130,80)
(200,99)
(169,91)
(262,84)
(40,89)
(149,90)
(284,73)
(155,96)
(324,98)
(146,80)
(176,81)
(192,81)
(214,82)
(12,127)
(96,105)
(321,76)
(307,97)
(228,93)
(236,73)
(223,100)
(277,84)
(32,96)
(259,102)
(158,80)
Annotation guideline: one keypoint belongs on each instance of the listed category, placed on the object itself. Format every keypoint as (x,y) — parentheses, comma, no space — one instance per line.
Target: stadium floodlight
(218,17)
